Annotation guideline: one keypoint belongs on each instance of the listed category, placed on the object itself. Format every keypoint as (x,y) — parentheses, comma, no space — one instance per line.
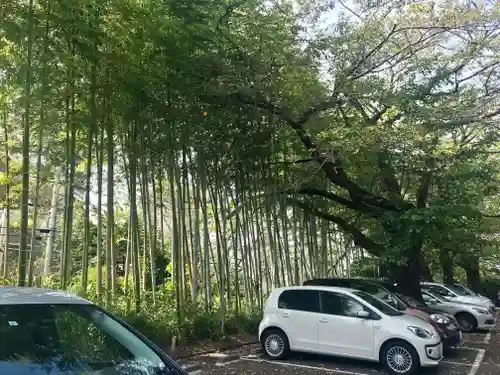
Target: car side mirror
(363,314)
(432,301)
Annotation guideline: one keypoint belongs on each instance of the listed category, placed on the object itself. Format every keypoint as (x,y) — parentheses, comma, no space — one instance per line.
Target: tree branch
(373,212)
(472,119)
(328,195)
(359,238)
(373,51)
(389,176)
(331,164)
(423,189)
(327,104)
(492,216)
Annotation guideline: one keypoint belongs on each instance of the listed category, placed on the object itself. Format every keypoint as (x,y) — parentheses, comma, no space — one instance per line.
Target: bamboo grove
(127,147)
(98,128)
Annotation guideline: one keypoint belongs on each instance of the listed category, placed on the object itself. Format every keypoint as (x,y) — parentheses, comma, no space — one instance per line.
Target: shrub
(159,321)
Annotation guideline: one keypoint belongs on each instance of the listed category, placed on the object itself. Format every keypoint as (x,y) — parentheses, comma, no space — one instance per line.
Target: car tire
(275,344)
(399,358)
(466,321)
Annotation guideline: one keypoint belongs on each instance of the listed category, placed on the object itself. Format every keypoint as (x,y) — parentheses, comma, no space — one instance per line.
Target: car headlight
(440,319)
(480,310)
(421,332)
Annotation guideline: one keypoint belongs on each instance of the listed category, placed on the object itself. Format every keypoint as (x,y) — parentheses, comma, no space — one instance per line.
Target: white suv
(348,323)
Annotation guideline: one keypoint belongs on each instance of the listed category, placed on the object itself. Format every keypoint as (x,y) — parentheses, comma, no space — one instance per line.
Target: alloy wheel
(274,345)
(399,359)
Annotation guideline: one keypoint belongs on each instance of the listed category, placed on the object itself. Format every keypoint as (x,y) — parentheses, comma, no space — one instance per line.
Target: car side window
(336,304)
(331,303)
(302,300)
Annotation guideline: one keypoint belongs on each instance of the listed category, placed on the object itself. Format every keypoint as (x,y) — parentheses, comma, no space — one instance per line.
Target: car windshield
(410,301)
(71,340)
(434,295)
(460,290)
(441,290)
(378,304)
(382,294)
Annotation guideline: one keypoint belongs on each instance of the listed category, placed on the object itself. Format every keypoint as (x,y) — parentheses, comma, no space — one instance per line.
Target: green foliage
(367,267)
(159,321)
(395,108)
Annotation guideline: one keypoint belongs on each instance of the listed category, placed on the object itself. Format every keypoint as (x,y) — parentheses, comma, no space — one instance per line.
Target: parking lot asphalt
(490,364)
(478,354)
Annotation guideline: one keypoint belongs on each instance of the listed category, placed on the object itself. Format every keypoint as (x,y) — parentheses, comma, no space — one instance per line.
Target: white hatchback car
(347,323)
(47,332)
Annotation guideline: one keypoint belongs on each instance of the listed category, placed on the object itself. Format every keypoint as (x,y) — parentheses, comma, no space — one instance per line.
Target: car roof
(346,283)
(337,279)
(12,295)
(316,287)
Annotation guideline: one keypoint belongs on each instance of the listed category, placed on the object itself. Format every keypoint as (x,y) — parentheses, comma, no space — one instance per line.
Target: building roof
(12,295)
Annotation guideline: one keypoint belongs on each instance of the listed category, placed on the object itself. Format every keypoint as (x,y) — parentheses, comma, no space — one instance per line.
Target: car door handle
(323,320)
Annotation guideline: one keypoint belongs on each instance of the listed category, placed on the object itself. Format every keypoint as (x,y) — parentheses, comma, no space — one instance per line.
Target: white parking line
(222,364)
(463,363)
(307,367)
(477,362)
(217,355)
(457,363)
(468,348)
(487,338)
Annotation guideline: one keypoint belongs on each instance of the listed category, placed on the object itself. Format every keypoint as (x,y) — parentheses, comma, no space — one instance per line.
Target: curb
(225,358)
(234,346)
(190,367)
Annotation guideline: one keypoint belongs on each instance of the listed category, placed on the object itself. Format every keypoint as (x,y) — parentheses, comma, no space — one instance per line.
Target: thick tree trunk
(426,272)
(446,266)
(408,278)
(411,273)
(473,276)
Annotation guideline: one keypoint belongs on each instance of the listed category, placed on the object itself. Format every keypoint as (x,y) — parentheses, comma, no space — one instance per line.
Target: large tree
(409,94)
